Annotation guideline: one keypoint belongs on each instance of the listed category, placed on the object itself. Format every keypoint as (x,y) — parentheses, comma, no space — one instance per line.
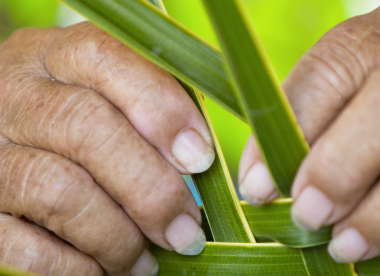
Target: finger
(322,83)
(62,197)
(153,101)
(357,237)
(29,247)
(342,165)
(80,124)
(256,184)
(332,72)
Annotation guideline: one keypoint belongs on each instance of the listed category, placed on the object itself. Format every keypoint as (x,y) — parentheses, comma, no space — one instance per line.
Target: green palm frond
(243,240)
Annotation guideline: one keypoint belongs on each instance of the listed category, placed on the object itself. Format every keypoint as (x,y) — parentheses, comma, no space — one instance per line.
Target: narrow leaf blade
(319,263)
(217,192)
(259,92)
(273,222)
(220,202)
(165,42)
(226,259)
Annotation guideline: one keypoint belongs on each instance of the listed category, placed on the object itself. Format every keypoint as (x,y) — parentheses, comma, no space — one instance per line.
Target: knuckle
(33,249)
(336,170)
(167,197)
(72,192)
(27,188)
(16,244)
(346,55)
(27,41)
(25,33)
(15,168)
(77,43)
(20,54)
(335,59)
(95,124)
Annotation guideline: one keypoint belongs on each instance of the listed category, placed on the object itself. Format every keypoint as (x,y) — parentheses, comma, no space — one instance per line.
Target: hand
(335,92)
(93,141)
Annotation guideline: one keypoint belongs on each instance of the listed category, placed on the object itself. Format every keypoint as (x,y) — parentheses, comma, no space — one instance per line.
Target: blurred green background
(288,28)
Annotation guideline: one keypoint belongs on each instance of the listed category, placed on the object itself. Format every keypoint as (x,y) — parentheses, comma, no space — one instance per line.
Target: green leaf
(227,259)
(221,205)
(368,268)
(222,209)
(252,259)
(273,222)
(6,270)
(318,262)
(272,120)
(259,92)
(165,42)
(217,192)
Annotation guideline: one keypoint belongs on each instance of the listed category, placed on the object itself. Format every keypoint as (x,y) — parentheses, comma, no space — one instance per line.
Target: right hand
(93,141)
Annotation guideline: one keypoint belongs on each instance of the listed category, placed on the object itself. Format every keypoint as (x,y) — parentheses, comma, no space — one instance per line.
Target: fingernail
(192,152)
(146,265)
(185,236)
(312,208)
(257,186)
(348,247)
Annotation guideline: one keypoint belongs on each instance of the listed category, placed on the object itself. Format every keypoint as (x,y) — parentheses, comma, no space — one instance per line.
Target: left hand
(334,90)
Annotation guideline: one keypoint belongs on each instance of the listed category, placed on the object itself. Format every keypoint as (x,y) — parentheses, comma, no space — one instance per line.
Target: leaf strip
(259,92)
(226,259)
(273,222)
(217,192)
(164,41)
(319,263)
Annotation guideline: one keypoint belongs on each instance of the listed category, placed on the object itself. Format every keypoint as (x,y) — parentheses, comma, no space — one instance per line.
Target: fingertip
(257,186)
(348,247)
(186,236)
(146,265)
(311,209)
(191,150)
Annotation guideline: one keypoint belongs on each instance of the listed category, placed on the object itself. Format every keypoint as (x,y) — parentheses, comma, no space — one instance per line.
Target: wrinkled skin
(94,139)
(335,92)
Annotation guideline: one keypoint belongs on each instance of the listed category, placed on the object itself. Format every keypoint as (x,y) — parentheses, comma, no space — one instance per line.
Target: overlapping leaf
(271,222)
(259,92)
(164,41)
(221,205)
(177,50)
(226,259)
(217,192)
(123,19)
(269,114)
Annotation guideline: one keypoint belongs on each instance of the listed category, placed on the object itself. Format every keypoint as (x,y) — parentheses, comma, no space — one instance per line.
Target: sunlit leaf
(272,222)
(227,259)
(259,92)
(164,41)
(221,205)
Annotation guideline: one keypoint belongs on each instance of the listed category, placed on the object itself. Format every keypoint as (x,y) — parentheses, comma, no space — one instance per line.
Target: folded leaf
(221,205)
(218,195)
(165,42)
(273,222)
